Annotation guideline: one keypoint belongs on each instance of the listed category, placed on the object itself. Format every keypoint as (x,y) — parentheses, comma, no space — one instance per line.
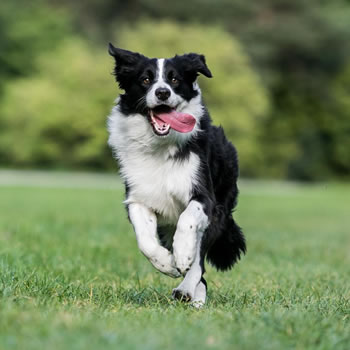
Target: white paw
(196,296)
(198,304)
(183,294)
(164,262)
(185,291)
(183,263)
(200,295)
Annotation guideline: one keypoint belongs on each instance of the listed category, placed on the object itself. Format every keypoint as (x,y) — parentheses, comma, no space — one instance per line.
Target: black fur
(223,241)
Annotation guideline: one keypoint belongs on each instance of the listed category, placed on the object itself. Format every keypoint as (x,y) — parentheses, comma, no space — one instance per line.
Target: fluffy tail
(227,249)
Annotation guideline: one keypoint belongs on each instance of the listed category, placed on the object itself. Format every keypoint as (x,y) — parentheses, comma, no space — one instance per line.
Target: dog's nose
(162,93)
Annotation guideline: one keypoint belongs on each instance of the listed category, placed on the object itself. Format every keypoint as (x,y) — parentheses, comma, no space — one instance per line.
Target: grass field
(71,276)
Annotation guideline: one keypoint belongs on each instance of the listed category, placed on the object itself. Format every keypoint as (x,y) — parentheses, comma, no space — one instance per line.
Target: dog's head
(164,91)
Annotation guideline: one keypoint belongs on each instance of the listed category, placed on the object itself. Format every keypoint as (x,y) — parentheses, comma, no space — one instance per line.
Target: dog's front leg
(145,226)
(193,287)
(190,227)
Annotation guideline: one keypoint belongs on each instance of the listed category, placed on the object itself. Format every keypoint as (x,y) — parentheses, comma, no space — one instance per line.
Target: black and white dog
(180,172)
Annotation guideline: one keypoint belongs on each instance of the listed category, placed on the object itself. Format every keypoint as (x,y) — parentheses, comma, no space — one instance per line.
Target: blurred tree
(298,47)
(336,124)
(61,118)
(57,118)
(27,29)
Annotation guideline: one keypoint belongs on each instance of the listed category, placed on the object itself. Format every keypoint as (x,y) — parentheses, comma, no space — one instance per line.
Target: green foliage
(307,137)
(72,276)
(300,50)
(298,47)
(299,65)
(58,116)
(27,29)
(338,123)
(60,120)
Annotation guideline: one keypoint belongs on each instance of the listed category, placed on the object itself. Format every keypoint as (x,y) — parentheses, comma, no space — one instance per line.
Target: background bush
(61,118)
(57,117)
(280,84)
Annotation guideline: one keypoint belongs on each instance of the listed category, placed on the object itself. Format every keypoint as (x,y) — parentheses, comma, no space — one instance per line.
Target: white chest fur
(164,186)
(154,177)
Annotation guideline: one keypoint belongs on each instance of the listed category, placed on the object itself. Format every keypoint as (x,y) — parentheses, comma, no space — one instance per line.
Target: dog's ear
(195,64)
(123,56)
(125,62)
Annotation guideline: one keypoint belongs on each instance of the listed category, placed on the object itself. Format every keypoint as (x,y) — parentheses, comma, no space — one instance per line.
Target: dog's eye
(174,81)
(147,81)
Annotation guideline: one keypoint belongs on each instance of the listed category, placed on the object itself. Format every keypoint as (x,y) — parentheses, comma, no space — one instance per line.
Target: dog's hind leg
(200,294)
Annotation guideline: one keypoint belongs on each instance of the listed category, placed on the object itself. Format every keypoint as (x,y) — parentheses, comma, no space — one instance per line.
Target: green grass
(71,276)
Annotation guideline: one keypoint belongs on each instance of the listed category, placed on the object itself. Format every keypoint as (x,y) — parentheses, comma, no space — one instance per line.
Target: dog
(180,171)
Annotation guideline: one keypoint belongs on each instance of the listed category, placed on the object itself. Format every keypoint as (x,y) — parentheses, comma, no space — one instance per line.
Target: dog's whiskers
(140,102)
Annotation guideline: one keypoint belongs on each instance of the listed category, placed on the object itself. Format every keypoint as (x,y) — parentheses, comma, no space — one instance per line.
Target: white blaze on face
(159,82)
(160,78)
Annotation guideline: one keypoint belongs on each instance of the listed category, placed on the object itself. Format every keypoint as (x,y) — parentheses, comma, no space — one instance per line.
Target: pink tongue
(181,122)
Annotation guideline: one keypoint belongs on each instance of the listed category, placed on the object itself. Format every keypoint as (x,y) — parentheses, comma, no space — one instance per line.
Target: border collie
(180,172)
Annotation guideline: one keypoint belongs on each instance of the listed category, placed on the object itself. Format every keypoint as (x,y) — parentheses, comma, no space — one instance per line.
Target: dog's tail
(229,246)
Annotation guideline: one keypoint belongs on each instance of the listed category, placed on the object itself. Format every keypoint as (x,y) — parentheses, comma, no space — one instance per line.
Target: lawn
(71,276)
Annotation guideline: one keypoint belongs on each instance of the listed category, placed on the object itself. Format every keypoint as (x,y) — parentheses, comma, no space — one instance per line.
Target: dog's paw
(163,261)
(187,297)
(183,263)
(189,292)
(182,295)
(171,272)
(198,304)
(200,295)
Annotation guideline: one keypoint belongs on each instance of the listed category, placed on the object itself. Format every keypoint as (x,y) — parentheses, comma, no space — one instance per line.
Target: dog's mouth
(163,118)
